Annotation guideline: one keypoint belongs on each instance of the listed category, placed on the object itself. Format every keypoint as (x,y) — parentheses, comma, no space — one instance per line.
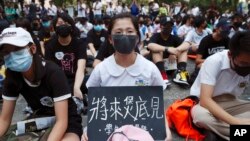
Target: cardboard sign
(111,107)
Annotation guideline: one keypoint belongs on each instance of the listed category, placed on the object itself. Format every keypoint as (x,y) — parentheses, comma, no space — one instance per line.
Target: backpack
(130,133)
(179,117)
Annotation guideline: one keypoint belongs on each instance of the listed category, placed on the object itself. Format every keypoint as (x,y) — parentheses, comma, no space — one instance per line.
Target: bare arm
(81,63)
(42,47)
(159,48)
(199,60)
(92,48)
(6,115)
(207,102)
(59,129)
(96,62)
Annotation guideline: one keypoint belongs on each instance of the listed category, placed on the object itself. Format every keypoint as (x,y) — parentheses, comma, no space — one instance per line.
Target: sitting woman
(42,84)
(125,66)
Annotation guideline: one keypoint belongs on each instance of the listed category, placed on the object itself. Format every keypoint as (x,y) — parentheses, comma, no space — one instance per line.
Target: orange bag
(179,117)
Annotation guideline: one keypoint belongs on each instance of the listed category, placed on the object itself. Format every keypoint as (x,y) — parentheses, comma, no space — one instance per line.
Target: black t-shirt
(208,46)
(66,56)
(172,41)
(51,86)
(95,39)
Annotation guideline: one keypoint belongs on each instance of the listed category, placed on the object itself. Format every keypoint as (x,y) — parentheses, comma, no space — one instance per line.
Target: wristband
(166,49)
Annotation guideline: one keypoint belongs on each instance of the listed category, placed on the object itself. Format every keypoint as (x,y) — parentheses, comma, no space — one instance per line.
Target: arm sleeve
(209,74)
(202,47)
(81,49)
(189,37)
(95,77)
(102,52)
(48,51)
(59,85)
(153,39)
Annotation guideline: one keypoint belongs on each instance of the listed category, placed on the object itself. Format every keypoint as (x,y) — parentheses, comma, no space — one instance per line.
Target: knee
(200,115)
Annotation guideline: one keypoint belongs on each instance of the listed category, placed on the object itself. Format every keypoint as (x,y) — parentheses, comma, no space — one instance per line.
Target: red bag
(179,117)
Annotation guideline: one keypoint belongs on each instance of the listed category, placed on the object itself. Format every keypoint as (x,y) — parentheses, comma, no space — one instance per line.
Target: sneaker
(181,77)
(165,78)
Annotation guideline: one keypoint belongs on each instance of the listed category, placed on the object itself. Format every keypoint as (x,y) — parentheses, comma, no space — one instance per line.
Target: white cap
(15,36)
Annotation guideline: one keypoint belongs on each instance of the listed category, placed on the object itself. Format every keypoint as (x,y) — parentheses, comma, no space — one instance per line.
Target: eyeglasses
(121,133)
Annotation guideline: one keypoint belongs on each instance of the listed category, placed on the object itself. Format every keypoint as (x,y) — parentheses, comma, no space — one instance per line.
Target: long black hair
(122,16)
(66,18)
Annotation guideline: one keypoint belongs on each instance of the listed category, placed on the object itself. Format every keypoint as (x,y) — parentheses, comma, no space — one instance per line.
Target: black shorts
(75,120)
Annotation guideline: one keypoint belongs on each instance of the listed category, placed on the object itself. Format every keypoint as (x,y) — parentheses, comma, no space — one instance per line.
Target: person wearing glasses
(42,84)
(222,78)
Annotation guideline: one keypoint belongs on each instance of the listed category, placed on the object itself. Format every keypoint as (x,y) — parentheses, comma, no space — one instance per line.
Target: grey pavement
(170,94)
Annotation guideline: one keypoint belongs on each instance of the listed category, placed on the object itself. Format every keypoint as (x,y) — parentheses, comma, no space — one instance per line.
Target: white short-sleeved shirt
(194,37)
(97,8)
(216,71)
(141,73)
(184,29)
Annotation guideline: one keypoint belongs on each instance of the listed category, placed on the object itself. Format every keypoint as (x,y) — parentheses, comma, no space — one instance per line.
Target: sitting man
(162,45)
(222,78)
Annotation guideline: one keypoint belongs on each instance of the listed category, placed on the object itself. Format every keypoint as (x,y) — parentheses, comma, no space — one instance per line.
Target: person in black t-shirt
(68,51)
(162,45)
(96,37)
(42,83)
(211,44)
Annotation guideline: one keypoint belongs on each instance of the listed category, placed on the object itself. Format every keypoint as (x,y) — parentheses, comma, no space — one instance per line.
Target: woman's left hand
(78,93)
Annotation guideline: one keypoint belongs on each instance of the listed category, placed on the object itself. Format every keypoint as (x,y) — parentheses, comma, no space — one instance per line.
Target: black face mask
(35,25)
(124,44)
(166,31)
(63,30)
(242,71)
(237,24)
(157,22)
(224,34)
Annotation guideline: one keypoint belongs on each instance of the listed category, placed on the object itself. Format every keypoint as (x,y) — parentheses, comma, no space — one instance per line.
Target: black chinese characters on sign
(111,107)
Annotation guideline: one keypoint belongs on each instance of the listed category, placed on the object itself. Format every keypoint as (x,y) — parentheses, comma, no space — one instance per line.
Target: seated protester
(190,44)
(105,51)
(106,21)
(84,27)
(237,20)
(211,44)
(162,46)
(45,33)
(42,84)
(36,26)
(124,67)
(187,25)
(193,37)
(69,52)
(96,37)
(220,85)
(25,24)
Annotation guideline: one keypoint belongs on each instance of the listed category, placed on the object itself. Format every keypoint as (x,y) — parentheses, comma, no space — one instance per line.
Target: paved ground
(172,93)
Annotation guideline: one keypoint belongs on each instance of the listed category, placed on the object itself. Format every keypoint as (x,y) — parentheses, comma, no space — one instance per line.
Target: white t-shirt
(194,37)
(97,8)
(52,10)
(216,71)
(141,73)
(81,10)
(184,29)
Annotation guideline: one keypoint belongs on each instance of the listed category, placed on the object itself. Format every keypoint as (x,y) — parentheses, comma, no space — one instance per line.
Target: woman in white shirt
(125,66)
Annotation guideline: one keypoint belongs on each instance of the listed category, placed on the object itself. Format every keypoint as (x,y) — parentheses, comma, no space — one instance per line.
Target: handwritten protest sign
(111,107)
